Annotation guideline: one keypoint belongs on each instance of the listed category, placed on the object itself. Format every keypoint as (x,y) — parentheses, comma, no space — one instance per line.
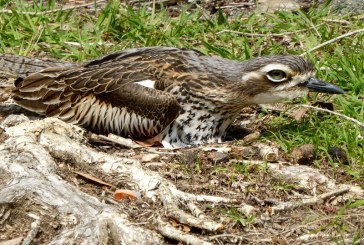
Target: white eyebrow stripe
(265,69)
(276,66)
(147,83)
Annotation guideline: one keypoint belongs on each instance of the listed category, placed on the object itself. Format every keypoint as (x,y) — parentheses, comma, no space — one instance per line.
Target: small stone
(217,157)
(247,209)
(248,152)
(304,155)
(338,154)
(251,138)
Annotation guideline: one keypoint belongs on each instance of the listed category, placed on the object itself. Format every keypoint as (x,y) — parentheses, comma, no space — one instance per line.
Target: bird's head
(274,79)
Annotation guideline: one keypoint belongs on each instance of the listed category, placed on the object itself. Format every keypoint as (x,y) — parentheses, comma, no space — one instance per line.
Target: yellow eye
(276,76)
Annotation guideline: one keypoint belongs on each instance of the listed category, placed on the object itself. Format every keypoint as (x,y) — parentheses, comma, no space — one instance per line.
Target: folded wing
(104,95)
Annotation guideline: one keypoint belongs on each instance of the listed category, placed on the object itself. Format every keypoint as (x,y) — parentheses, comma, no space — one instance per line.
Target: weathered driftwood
(28,164)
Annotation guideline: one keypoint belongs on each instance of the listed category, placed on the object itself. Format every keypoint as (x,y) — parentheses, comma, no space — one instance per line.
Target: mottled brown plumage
(179,96)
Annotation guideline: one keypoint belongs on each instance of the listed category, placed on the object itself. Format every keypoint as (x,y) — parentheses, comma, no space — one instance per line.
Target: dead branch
(360,124)
(40,143)
(333,40)
(267,34)
(169,231)
(309,201)
(34,228)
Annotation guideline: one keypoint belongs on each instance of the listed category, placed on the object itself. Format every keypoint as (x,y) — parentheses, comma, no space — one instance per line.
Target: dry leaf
(279,240)
(299,114)
(92,178)
(122,194)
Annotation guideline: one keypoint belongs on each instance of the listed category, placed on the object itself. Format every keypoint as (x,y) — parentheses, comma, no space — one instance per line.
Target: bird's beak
(316,85)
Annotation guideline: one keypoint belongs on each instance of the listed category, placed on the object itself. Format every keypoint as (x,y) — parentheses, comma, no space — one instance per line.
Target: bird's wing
(105,95)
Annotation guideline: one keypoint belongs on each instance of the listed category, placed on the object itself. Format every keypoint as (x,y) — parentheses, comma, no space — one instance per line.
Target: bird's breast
(200,121)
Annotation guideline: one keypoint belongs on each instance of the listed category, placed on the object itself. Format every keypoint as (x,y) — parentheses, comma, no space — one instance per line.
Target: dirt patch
(17,219)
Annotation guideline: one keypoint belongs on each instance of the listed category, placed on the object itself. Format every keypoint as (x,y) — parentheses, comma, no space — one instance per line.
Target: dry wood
(267,152)
(32,233)
(284,206)
(29,158)
(170,232)
(195,210)
(268,34)
(333,40)
(360,124)
(124,142)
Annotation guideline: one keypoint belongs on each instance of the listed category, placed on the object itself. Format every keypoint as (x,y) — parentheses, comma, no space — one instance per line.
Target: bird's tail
(14,67)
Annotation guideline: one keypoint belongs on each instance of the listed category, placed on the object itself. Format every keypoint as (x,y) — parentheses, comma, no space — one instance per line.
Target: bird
(179,97)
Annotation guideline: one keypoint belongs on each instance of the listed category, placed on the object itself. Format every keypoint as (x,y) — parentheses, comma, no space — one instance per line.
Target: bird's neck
(200,121)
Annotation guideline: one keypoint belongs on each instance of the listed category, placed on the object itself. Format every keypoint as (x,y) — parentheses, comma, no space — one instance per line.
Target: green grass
(239,217)
(118,27)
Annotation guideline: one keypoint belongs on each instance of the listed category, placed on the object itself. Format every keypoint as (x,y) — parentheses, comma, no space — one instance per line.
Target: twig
(226,235)
(236,5)
(171,205)
(311,237)
(32,233)
(361,125)
(267,34)
(169,231)
(156,3)
(254,34)
(200,198)
(309,201)
(77,44)
(345,22)
(321,220)
(346,238)
(9,11)
(237,237)
(333,40)
(111,138)
(195,211)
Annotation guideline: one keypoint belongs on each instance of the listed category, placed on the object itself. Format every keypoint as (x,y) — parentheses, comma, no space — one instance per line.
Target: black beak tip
(316,85)
(340,91)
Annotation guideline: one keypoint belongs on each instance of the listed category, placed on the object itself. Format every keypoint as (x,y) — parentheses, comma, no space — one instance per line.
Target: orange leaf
(122,194)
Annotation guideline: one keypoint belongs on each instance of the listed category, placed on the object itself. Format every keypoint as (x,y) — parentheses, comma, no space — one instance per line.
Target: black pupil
(277,73)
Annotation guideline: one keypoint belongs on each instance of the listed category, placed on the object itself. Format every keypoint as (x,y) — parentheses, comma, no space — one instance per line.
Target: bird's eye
(276,76)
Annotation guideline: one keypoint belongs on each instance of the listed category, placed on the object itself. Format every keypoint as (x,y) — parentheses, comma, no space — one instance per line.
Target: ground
(265,198)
